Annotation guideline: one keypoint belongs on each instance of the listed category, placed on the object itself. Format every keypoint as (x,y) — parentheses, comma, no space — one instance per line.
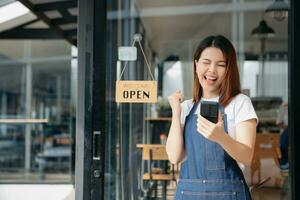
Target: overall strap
(192,111)
(195,105)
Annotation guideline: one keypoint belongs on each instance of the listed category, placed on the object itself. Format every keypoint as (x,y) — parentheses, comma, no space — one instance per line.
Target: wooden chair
(266,146)
(156,152)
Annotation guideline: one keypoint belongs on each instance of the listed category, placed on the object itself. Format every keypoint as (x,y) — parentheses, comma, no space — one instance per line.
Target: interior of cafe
(171,31)
(38,79)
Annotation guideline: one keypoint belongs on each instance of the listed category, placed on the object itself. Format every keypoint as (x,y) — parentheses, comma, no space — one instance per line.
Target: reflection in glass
(36,88)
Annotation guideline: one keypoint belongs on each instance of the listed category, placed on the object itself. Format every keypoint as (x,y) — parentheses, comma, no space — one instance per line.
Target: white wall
(275,78)
(35,192)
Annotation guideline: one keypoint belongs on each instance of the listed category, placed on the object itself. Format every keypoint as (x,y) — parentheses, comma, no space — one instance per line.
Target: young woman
(209,152)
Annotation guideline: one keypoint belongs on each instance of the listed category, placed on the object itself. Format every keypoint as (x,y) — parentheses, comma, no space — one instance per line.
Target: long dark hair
(230,86)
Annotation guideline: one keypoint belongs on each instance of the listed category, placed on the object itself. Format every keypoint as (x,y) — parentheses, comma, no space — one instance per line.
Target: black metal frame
(294,98)
(54,31)
(30,33)
(42,7)
(91,118)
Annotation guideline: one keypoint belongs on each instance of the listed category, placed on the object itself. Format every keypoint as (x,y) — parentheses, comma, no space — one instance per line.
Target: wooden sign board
(136,91)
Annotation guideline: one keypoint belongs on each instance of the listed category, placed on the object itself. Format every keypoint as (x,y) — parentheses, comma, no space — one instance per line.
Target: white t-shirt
(239,109)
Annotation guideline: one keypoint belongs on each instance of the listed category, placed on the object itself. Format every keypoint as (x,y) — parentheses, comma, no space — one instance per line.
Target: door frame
(91,100)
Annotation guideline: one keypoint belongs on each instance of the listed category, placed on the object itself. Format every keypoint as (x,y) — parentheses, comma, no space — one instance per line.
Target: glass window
(37,111)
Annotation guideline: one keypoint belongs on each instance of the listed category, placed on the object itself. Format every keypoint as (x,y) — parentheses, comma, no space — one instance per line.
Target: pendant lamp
(278,10)
(263,30)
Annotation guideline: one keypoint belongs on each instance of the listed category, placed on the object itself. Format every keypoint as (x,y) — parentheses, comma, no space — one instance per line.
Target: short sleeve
(185,109)
(244,109)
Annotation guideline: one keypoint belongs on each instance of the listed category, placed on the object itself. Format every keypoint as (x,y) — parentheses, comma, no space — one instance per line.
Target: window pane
(36,86)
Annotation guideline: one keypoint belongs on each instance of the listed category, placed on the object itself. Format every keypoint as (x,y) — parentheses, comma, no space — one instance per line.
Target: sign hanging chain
(148,65)
(137,37)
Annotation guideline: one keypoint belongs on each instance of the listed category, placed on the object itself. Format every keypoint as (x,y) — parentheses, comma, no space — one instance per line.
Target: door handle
(96,145)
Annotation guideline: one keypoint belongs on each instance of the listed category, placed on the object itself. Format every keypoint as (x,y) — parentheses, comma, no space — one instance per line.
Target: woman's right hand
(175,100)
(175,143)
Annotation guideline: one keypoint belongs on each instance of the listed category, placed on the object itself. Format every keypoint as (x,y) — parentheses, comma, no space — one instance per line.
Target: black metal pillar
(294,98)
(90,123)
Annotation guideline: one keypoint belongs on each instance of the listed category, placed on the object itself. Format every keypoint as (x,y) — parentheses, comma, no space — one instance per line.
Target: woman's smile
(210,80)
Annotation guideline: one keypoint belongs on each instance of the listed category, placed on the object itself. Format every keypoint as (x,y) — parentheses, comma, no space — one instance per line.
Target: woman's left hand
(210,130)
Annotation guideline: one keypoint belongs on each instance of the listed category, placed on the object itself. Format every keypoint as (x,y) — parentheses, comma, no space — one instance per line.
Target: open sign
(136,91)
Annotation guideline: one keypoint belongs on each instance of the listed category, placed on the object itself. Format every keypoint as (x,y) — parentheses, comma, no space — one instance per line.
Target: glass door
(171,31)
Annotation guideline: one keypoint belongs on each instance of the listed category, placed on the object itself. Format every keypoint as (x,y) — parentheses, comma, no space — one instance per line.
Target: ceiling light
(263,30)
(278,10)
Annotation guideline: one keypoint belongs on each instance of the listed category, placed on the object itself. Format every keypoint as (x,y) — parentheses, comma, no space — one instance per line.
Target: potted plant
(163,107)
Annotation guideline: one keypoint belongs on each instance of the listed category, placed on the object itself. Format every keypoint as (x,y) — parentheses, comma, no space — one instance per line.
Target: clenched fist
(175,100)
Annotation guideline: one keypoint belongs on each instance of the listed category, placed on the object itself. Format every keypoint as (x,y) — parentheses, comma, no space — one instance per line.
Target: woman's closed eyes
(219,64)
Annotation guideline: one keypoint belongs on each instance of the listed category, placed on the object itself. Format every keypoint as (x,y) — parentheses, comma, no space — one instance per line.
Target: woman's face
(210,69)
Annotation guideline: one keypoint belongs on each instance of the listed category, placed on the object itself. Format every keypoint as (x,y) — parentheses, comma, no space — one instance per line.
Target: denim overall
(208,172)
